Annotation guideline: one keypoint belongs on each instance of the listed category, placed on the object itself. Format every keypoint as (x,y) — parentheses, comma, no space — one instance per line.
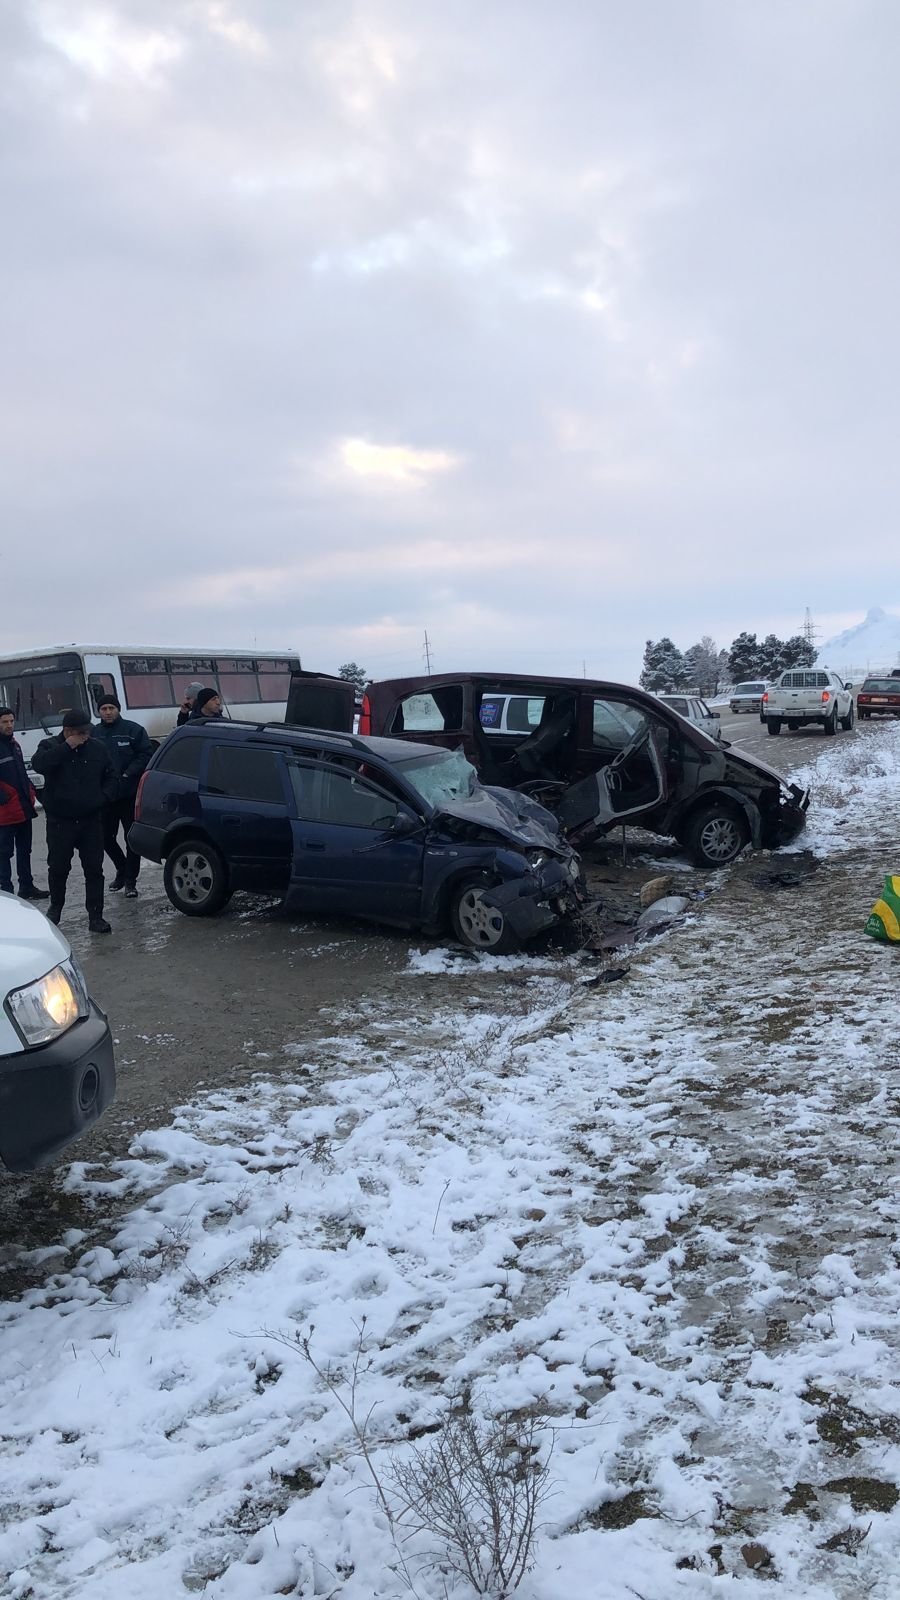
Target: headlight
(45,1009)
(574,867)
(536,858)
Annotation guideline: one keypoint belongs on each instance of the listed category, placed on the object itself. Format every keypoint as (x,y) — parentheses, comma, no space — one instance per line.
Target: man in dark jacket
(187,704)
(17,799)
(207,707)
(128,745)
(79,780)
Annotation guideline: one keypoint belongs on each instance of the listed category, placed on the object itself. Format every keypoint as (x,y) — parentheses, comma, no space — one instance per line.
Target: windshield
(445,775)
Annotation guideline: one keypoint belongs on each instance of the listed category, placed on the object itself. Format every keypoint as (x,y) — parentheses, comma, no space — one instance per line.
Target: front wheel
(195,879)
(847,721)
(831,724)
(476,924)
(773,724)
(715,835)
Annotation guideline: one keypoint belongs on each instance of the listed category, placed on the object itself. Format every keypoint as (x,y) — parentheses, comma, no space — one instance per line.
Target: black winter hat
(204,698)
(76,719)
(109,699)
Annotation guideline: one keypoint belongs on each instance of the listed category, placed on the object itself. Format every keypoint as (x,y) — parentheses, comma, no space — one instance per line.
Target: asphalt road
(200,1004)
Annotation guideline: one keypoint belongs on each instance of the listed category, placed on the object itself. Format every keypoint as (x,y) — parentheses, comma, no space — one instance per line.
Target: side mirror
(402,825)
(848,686)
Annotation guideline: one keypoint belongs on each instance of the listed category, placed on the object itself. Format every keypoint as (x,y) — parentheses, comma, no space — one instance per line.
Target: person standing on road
(128,746)
(80,780)
(17,808)
(187,704)
(207,707)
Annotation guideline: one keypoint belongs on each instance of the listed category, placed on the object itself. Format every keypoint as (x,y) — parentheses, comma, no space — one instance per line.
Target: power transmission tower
(427,654)
(810,631)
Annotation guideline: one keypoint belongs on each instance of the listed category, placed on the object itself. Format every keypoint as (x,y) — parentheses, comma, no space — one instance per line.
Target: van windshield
(445,775)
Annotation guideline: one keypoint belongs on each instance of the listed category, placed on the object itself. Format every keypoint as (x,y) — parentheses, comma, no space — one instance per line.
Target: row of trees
(708,669)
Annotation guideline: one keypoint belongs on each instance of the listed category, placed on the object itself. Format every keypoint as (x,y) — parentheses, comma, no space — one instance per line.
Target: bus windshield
(38,690)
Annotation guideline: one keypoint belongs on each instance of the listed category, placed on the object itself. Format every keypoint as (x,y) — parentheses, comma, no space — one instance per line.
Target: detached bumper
(790,818)
(535,901)
(51,1094)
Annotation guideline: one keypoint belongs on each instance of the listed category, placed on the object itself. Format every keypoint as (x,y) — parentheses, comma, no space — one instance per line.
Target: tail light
(826,695)
(138,797)
(765,697)
(365,717)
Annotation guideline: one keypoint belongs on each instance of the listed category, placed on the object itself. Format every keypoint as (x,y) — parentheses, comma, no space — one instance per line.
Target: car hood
(755,765)
(511,815)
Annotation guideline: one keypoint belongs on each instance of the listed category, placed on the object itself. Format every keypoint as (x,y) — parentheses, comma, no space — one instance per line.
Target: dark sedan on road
(879,697)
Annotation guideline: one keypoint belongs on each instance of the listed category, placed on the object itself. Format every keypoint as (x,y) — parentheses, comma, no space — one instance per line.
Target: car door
(357,850)
(630,747)
(245,804)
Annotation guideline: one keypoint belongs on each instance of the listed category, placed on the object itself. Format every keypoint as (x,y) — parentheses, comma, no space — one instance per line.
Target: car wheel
(773,724)
(195,879)
(831,724)
(715,835)
(847,721)
(476,924)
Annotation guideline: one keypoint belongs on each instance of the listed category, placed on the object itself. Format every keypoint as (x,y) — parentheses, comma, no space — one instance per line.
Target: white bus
(39,685)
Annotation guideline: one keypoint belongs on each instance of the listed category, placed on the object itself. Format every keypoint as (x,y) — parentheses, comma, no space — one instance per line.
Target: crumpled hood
(512,815)
(744,759)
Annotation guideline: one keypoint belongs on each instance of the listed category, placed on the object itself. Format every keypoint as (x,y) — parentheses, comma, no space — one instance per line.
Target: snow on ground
(661,1215)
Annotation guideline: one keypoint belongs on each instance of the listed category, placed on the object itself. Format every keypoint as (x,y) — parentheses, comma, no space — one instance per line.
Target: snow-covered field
(661,1216)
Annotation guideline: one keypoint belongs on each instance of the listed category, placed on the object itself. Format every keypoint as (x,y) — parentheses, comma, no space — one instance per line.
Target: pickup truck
(803,695)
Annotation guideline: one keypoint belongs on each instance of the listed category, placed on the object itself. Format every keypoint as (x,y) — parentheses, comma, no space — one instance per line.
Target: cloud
(394,465)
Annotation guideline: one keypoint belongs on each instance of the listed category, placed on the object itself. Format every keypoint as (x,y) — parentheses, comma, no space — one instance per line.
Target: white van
(57,1067)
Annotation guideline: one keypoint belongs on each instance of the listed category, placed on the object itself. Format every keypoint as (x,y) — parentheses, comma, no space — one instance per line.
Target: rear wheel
(831,724)
(773,724)
(476,924)
(195,879)
(715,835)
(847,721)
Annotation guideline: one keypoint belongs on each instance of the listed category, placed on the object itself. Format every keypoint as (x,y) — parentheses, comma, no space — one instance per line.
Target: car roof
(281,733)
(501,683)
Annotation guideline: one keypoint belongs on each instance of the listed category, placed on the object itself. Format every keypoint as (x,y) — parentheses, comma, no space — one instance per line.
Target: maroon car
(879,697)
(598,754)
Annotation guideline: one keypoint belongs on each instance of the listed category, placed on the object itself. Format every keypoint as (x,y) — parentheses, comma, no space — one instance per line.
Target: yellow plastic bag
(884,920)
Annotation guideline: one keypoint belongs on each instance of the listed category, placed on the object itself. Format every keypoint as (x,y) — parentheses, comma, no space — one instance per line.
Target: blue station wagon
(383,829)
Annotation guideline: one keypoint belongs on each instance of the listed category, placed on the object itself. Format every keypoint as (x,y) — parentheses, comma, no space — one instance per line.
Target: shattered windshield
(445,775)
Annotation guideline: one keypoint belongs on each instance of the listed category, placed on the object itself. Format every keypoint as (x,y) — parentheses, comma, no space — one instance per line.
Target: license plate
(879,700)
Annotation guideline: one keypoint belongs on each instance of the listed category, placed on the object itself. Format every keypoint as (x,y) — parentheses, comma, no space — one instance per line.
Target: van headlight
(46,1008)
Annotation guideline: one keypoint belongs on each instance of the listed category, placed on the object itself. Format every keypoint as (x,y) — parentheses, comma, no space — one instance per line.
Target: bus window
(237,682)
(146,680)
(39,693)
(101,683)
(274,680)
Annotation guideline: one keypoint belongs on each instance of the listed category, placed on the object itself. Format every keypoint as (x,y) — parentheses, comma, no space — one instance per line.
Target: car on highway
(600,755)
(57,1065)
(695,710)
(806,696)
(879,697)
(747,696)
(380,829)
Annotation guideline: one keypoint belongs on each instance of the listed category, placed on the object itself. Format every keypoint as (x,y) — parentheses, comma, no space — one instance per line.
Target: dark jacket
(76,782)
(16,792)
(128,746)
(206,716)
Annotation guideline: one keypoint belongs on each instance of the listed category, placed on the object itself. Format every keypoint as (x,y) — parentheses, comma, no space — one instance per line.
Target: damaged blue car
(379,828)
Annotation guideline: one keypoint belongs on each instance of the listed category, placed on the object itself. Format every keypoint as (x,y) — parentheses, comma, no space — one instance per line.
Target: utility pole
(810,631)
(427,653)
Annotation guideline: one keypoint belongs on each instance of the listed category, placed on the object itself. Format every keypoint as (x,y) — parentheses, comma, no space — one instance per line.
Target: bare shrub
(476,1490)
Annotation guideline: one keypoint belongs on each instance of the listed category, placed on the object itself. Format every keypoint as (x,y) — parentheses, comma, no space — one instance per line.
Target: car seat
(534,757)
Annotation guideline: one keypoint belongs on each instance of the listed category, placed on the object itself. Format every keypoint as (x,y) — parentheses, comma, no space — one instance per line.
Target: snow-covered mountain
(873,645)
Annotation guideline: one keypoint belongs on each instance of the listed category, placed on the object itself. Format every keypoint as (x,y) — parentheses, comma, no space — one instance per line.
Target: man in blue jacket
(128,746)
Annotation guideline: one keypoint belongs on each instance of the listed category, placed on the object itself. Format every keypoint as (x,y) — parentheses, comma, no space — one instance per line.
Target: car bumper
(536,900)
(51,1094)
(789,820)
(145,841)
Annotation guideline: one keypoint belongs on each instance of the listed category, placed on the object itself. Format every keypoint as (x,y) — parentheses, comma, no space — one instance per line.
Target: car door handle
(311,846)
(231,822)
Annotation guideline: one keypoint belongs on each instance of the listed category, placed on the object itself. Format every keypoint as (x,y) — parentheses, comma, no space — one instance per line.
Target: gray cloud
(614,284)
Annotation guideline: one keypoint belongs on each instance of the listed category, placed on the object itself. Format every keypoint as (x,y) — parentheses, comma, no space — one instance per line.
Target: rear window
(750,688)
(245,773)
(882,686)
(181,756)
(430,711)
(804,680)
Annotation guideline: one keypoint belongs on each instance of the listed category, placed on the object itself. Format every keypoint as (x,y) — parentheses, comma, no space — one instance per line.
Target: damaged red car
(599,755)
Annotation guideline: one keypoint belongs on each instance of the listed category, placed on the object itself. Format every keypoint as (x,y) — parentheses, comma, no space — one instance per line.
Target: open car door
(316,700)
(629,787)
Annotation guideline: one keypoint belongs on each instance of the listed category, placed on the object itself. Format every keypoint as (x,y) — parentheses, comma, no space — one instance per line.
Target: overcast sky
(548,328)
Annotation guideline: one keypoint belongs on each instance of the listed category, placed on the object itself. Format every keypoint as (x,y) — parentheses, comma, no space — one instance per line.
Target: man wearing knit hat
(187,704)
(207,707)
(128,746)
(79,780)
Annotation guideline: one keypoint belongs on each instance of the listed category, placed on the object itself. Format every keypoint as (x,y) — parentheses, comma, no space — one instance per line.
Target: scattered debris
(662,913)
(756,1555)
(655,888)
(884,918)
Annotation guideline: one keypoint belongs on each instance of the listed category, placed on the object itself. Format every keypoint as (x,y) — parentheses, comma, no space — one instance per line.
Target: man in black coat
(128,745)
(79,780)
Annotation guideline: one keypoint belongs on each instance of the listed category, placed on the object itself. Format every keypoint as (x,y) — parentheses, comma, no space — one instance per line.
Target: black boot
(34,893)
(53,913)
(118,882)
(98,924)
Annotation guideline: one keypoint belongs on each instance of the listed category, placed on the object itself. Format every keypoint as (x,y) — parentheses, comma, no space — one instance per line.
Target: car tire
(196,879)
(477,925)
(715,834)
(831,724)
(847,721)
(774,725)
